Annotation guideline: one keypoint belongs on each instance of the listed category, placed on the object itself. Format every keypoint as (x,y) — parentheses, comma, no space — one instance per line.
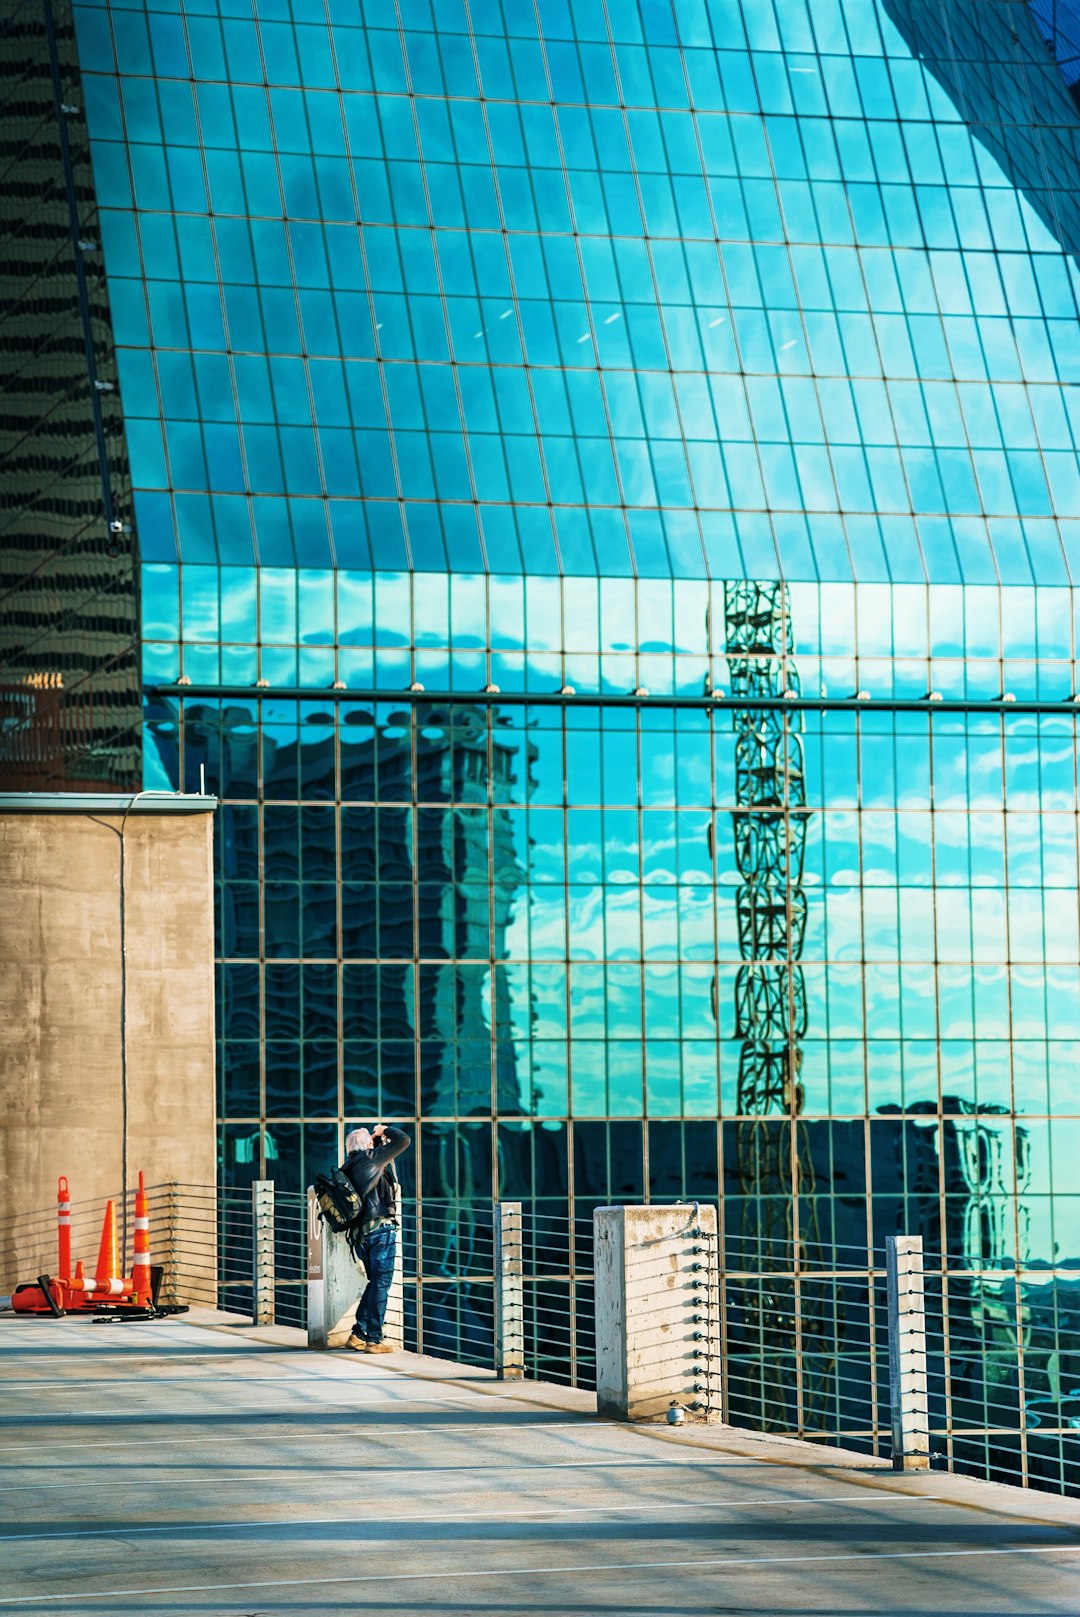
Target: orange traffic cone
(107,1277)
(140,1268)
(108,1258)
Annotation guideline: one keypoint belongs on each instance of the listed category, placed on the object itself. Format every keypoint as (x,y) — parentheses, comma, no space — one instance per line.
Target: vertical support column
(657,1312)
(509,1295)
(262,1252)
(907,1353)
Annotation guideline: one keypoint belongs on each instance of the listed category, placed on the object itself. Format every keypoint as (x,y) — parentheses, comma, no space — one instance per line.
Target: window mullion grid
(595,367)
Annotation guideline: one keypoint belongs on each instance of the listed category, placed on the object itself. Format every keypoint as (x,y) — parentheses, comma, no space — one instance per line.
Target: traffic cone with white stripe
(107,1287)
(84,1291)
(140,1268)
(108,1281)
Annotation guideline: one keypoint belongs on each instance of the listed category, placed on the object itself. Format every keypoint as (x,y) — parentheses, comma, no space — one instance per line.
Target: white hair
(358,1140)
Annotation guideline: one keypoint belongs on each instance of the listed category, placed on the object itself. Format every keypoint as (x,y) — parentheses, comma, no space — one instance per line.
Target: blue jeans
(376,1253)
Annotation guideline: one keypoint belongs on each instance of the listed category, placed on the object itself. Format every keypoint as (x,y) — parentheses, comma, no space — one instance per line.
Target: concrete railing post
(262,1252)
(657,1312)
(334,1284)
(509,1296)
(907,1353)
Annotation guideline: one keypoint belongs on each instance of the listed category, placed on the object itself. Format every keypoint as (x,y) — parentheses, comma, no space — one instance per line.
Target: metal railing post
(169,1291)
(907,1353)
(509,1297)
(262,1251)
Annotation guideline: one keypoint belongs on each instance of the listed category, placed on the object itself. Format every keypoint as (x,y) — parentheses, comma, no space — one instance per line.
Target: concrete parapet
(657,1311)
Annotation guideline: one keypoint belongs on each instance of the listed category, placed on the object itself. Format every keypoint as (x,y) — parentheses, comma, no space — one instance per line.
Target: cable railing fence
(892,1352)
(804,1339)
(1003,1400)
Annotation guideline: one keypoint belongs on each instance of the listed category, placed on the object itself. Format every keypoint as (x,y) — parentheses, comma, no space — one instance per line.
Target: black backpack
(339,1204)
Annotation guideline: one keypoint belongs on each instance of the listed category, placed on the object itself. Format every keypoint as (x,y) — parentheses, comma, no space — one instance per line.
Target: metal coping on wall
(107,803)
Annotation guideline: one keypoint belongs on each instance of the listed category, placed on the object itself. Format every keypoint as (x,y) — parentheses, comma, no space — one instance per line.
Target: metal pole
(1005,707)
(907,1353)
(262,1252)
(509,1301)
(170,1251)
(709,1358)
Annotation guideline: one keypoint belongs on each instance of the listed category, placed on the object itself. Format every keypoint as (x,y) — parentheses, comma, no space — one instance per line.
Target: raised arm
(389,1143)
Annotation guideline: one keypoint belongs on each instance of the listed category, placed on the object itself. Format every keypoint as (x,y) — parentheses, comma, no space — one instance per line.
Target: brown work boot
(378,1347)
(359,1343)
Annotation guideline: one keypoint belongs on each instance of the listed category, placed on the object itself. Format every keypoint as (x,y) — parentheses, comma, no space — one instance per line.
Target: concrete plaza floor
(197,1467)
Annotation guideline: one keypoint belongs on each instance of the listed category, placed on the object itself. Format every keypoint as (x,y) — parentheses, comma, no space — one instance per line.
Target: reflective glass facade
(544,422)
(70,693)
(1059,23)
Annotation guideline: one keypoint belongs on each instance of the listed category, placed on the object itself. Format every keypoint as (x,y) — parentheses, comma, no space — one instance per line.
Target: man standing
(369,1164)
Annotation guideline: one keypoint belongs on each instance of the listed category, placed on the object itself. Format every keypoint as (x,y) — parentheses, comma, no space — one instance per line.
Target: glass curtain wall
(70,688)
(487,364)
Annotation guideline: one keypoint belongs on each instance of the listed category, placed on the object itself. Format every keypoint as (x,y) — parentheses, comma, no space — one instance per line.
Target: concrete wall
(60,1050)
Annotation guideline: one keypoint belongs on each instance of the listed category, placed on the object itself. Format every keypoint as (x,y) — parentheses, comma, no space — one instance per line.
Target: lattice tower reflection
(774,1163)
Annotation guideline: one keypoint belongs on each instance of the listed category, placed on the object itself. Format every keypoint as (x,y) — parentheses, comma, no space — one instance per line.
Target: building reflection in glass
(992,1351)
(487,920)
(69,614)
(1034,47)
(413,882)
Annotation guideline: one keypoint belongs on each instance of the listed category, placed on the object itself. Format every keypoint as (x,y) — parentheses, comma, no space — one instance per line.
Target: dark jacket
(373,1176)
